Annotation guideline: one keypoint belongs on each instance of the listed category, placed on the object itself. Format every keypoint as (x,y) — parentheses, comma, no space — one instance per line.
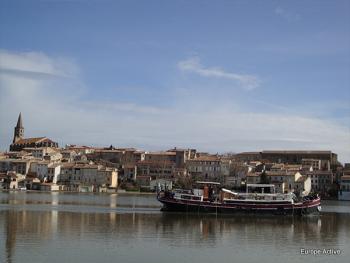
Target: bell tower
(19,130)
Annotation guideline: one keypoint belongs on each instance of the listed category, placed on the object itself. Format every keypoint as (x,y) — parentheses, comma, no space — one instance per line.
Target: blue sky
(215,75)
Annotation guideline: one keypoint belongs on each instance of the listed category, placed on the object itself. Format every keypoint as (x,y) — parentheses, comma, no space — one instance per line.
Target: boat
(223,201)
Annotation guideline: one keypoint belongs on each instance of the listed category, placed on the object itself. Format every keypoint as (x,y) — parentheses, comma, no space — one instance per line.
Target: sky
(218,76)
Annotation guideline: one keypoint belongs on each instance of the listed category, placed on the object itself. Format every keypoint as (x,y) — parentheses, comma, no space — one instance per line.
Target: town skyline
(85,73)
(19,135)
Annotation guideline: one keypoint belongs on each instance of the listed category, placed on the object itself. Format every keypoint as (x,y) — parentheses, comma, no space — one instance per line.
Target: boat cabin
(256,196)
(203,191)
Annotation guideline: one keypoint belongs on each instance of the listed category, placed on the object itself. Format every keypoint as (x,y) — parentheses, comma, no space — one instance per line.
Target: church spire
(19,122)
(19,130)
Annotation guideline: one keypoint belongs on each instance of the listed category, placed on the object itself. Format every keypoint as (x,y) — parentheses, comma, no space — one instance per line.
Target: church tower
(19,130)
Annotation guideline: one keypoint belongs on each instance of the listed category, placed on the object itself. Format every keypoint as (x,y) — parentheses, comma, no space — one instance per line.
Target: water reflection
(32,229)
(132,236)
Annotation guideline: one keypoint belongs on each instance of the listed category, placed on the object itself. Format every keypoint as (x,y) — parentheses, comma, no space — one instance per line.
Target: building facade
(19,142)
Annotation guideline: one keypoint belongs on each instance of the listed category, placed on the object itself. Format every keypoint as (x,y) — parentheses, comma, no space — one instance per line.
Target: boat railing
(261,196)
(188,196)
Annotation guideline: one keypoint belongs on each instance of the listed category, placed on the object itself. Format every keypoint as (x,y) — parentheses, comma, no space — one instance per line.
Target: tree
(264,179)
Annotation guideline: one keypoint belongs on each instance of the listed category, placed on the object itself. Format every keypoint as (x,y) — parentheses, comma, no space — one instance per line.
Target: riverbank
(74,192)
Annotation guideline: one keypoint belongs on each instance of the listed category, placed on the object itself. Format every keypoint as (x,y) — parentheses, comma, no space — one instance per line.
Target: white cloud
(286,14)
(54,107)
(36,63)
(193,65)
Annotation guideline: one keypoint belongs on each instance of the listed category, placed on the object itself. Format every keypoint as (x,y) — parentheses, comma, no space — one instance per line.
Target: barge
(224,201)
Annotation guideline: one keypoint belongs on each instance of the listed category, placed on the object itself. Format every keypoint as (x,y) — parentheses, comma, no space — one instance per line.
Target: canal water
(67,227)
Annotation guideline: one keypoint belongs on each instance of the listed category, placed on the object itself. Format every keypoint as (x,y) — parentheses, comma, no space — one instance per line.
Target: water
(65,227)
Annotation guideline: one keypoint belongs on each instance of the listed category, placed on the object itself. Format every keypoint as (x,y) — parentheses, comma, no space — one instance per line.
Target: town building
(156,169)
(47,171)
(321,181)
(20,166)
(119,156)
(160,157)
(87,177)
(128,173)
(11,180)
(244,172)
(253,178)
(160,165)
(247,156)
(205,167)
(40,152)
(344,191)
(80,149)
(19,142)
(289,181)
(290,157)
(68,155)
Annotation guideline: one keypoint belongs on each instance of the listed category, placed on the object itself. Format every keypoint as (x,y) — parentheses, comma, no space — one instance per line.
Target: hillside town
(40,164)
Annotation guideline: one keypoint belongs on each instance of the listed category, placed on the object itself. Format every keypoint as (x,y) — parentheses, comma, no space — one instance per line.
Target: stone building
(163,165)
(289,181)
(20,166)
(87,177)
(205,167)
(156,169)
(321,181)
(19,142)
(48,171)
(122,156)
(290,157)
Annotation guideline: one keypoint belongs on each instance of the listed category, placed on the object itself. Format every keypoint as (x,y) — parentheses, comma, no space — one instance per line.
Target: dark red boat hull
(175,205)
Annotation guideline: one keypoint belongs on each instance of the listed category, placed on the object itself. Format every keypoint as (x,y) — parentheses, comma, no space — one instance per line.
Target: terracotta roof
(30,140)
(298,152)
(33,140)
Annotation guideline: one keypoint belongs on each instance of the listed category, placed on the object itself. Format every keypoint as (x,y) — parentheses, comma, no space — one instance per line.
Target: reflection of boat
(207,201)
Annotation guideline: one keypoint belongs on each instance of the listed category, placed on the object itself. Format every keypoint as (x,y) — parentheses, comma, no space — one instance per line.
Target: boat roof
(204,182)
